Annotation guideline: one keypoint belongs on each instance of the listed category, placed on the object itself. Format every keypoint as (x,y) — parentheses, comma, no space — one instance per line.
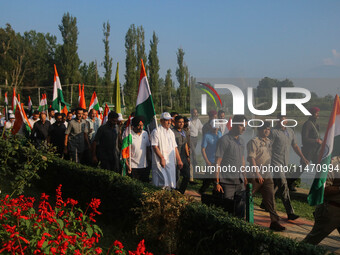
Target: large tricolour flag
(58,102)
(20,119)
(330,148)
(144,105)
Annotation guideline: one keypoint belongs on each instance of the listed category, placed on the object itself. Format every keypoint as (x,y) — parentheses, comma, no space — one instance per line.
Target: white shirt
(52,120)
(195,126)
(138,149)
(31,121)
(94,125)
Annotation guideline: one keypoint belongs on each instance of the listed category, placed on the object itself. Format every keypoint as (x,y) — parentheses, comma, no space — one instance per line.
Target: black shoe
(276,226)
(292,216)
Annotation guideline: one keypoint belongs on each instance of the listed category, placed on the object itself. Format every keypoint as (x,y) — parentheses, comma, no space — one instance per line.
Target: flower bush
(64,229)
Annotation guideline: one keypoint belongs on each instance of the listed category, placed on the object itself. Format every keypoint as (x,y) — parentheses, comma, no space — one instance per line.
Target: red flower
(98,250)
(118,244)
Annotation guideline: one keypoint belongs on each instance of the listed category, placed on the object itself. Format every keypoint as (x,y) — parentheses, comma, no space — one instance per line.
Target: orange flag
(82,103)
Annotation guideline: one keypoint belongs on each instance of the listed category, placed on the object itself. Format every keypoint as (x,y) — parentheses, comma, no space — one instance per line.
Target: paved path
(297,229)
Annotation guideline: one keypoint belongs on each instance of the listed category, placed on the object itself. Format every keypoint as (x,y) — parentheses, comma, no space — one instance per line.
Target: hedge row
(203,230)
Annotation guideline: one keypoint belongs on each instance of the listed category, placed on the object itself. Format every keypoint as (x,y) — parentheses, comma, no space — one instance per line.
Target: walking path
(297,229)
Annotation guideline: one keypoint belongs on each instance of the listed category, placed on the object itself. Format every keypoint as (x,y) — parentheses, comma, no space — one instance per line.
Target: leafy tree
(181,73)
(131,83)
(69,57)
(107,59)
(13,58)
(154,69)
(169,91)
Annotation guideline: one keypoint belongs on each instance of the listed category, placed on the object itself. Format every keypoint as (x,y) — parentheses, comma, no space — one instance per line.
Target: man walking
(311,143)
(107,139)
(283,138)
(76,137)
(40,129)
(56,134)
(230,153)
(165,154)
(208,148)
(182,146)
(140,151)
(259,156)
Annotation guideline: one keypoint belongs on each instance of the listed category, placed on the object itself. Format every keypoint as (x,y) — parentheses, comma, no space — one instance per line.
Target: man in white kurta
(164,154)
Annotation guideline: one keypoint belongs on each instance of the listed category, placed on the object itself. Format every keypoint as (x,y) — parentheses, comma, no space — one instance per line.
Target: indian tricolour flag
(20,119)
(43,104)
(94,104)
(330,148)
(58,101)
(106,114)
(14,100)
(126,146)
(144,105)
(30,106)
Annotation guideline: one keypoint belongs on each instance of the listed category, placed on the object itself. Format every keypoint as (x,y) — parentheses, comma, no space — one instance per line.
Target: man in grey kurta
(230,153)
(283,138)
(76,137)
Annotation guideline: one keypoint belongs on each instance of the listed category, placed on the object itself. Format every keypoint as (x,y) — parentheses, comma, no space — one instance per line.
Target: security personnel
(327,215)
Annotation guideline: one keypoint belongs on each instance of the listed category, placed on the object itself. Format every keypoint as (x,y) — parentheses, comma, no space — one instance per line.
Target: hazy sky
(278,39)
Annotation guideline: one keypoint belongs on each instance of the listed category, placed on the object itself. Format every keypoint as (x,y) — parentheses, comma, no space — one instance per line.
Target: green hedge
(203,230)
(118,194)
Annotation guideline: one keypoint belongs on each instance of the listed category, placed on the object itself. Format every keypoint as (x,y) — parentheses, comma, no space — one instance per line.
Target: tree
(69,57)
(168,90)
(181,72)
(154,69)
(107,60)
(13,57)
(131,83)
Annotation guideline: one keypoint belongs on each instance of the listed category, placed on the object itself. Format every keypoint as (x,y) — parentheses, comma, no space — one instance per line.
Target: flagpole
(130,144)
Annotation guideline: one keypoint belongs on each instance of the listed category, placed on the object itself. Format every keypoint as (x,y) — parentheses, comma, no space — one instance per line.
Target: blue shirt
(209,142)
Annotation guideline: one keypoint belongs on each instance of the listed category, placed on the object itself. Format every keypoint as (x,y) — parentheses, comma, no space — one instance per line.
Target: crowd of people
(169,151)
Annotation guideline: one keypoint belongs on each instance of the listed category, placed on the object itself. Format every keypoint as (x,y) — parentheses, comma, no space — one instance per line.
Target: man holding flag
(325,190)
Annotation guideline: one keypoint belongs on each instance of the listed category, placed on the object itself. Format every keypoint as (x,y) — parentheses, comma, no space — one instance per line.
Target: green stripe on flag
(147,110)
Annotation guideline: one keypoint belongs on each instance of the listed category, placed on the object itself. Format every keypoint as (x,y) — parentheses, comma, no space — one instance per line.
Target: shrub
(20,161)
(158,217)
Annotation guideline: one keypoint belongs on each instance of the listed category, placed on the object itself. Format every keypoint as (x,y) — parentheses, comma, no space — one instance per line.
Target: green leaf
(60,223)
(89,230)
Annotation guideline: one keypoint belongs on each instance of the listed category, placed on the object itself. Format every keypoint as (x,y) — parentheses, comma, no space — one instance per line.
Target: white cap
(120,117)
(10,111)
(11,116)
(101,109)
(166,116)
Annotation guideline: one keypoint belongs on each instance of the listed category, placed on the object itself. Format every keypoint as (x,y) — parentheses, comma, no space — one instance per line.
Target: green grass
(303,209)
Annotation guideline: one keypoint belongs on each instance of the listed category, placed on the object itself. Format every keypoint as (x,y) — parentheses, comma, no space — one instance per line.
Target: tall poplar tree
(107,59)
(154,69)
(131,83)
(69,57)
